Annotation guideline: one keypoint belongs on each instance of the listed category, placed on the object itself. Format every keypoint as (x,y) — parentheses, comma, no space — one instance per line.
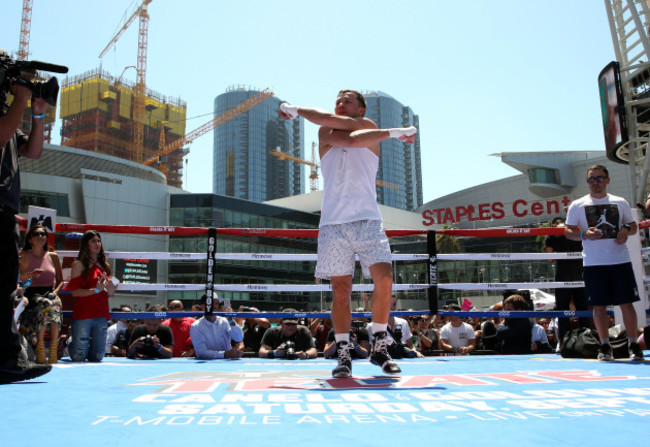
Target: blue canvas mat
(498,400)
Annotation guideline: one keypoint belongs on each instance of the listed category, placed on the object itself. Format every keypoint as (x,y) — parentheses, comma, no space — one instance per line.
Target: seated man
(116,328)
(515,335)
(214,337)
(120,345)
(289,340)
(457,337)
(151,340)
(181,329)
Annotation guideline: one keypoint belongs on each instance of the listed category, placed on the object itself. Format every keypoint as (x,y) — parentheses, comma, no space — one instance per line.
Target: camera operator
(289,340)
(151,340)
(14,365)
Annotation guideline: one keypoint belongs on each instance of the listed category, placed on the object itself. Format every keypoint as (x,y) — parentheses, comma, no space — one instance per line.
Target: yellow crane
(141,69)
(229,114)
(313,177)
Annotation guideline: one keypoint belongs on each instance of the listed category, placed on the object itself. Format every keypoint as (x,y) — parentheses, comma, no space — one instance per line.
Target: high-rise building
(243,165)
(399,180)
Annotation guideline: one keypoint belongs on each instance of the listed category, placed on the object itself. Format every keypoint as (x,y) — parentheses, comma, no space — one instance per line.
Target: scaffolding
(98,114)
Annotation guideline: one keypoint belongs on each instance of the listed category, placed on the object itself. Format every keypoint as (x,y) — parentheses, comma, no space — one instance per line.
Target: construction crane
(25,30)
(240,108)
(141,69)
(313,177)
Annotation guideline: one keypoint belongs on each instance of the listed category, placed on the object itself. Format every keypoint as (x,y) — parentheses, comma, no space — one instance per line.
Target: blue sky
(484,76)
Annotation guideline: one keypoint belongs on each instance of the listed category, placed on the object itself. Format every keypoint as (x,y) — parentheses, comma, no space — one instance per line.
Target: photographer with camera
(214,337)
(289,340)
(14,365)
(151,340)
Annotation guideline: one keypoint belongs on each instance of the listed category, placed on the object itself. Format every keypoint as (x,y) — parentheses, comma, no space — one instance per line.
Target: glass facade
(243,166)
(211,210)
(400,166)
(45,199)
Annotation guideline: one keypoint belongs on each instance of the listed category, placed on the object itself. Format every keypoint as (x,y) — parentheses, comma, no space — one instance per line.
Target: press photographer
(151,340)
(289,340)
(15,77)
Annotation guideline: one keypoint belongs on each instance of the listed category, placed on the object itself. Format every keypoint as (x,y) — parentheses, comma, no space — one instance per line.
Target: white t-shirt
(458,337)
(608,215)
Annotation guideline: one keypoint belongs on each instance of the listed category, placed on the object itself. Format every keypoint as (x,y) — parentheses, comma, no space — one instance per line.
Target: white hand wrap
(291,111)
(402,132)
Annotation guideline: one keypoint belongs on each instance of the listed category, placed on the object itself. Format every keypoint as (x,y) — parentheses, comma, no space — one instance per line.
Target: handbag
(580,343)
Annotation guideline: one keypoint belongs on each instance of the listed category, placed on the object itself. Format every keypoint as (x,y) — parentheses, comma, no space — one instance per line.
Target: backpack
(580,343)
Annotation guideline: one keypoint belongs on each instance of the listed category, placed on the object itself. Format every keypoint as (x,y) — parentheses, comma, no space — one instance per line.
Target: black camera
(14,71)
(290,350)
(147,340)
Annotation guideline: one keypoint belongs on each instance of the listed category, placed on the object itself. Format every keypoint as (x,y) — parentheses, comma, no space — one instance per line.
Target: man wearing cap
(214,337)
(289,340)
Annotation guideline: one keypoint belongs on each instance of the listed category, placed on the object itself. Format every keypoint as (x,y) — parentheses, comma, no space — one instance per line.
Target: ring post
(209,280)
(433,272)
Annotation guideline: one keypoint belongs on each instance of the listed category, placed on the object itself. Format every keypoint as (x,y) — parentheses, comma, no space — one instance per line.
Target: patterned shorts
(338,245)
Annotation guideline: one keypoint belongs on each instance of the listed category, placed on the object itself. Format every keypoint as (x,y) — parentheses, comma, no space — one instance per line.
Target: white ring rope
(261,287)
(312,257)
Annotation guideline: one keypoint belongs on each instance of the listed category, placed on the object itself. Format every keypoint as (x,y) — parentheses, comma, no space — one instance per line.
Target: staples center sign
(494,211)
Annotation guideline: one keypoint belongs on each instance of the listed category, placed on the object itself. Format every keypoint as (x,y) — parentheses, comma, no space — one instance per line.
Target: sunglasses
(599,179)
(39,233)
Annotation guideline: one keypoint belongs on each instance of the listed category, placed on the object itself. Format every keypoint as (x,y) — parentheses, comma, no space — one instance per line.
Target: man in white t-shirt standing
(457,337)
(603,222)
(350,223)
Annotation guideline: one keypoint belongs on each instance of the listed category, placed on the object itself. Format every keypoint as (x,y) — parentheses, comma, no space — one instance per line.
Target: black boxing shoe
(344,368)
(380,355)
(22,370)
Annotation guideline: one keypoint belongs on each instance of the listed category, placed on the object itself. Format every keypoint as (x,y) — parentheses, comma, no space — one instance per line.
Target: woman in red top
(90,285)
(43,312)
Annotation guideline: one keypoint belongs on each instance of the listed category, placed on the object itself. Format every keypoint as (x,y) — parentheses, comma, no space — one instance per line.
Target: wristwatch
(628,226)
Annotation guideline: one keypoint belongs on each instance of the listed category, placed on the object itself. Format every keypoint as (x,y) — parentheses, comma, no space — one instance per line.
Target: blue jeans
(88,340)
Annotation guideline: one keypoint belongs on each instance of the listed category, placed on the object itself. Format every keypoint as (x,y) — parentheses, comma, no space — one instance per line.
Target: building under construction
(98,114)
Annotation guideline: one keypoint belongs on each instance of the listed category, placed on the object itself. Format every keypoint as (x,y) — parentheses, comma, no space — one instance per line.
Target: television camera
(22,73)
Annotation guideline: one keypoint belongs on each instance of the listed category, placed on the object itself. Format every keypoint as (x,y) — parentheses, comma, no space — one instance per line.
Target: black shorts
(610,284)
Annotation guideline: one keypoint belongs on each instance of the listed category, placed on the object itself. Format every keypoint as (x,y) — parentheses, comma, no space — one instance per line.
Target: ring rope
(313,257)
(406,313)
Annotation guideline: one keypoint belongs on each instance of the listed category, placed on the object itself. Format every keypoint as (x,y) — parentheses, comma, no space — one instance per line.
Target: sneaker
(605,352)
(380,356)
(344,368)
(23,370)
(635,352)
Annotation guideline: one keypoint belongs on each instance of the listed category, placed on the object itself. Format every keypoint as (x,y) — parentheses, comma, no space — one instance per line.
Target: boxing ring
(516,400)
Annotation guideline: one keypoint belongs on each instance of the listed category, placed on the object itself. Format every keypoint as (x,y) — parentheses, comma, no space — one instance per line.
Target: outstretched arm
(321,117)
